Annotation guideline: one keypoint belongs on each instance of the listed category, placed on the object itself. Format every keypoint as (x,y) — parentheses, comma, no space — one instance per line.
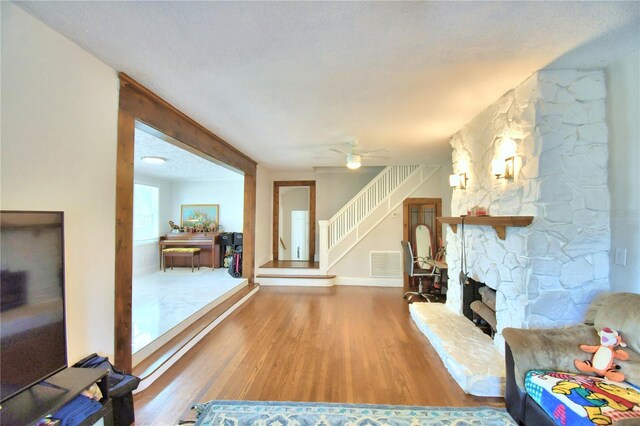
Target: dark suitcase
(120,387)
(237,238)
(235,265)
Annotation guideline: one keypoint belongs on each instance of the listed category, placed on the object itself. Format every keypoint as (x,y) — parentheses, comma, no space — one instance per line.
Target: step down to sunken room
(158,362)
(295,273)
(291,264)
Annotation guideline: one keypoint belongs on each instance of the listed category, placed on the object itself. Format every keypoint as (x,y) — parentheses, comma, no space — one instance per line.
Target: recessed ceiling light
(154,160)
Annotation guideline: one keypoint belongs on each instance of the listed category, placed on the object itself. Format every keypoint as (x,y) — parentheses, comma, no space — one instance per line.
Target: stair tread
(291,264)
(316,277)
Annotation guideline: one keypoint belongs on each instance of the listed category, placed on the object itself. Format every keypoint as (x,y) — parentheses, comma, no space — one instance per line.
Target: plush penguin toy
(602,362)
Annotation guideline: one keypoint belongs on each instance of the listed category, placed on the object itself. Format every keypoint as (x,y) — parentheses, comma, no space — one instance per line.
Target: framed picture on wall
(192,215)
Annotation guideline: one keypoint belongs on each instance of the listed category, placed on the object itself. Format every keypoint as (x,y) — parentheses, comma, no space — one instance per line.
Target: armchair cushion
(556,349)
(548,349)
(631,367)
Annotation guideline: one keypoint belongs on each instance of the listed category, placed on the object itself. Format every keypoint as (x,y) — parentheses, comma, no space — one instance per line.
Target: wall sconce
(503,169)
(458,181)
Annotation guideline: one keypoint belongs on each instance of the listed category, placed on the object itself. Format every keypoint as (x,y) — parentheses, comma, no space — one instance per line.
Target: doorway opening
(421,211)
(293,223)
(294,218)
(137,104)
(182,203)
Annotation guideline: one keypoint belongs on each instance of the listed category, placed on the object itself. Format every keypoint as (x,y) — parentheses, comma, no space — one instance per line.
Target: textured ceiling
(181,165)
(282,81)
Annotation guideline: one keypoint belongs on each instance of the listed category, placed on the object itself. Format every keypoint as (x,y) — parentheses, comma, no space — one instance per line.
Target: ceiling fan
(355,157)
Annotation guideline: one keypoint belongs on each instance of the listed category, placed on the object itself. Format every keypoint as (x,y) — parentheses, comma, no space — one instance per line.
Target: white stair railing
(370,197)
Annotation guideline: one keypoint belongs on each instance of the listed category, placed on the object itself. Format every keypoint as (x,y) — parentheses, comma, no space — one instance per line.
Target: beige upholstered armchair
(556,349)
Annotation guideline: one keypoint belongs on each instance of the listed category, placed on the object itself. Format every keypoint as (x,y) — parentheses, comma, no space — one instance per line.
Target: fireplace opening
(479,305)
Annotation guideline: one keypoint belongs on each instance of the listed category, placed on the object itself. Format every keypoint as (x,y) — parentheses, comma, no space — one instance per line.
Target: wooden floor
(339,344)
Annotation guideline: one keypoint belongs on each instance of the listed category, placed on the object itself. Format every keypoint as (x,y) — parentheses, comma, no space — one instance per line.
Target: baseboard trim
(148,381)
(369,282)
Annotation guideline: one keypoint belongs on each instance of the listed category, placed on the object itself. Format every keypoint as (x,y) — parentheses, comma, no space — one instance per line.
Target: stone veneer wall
(545,274)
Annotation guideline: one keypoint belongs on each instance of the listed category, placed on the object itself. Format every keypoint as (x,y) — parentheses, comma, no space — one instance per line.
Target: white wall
(146,256)
(264,211)
(384,237)
(334,190)
(623,112)
(229,194)
(58,142)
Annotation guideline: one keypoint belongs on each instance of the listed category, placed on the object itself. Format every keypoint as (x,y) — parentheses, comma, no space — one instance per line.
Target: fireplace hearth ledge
(468,354)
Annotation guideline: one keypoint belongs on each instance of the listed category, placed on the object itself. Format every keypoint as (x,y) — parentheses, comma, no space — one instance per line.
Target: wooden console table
(499,223)
(48,396)
(207,242)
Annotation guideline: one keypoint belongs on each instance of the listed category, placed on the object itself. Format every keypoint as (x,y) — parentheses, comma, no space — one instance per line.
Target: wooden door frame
(405,221)
(312,214)
(137,103)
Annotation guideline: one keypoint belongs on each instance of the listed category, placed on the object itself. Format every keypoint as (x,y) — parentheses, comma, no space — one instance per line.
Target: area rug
(259,413)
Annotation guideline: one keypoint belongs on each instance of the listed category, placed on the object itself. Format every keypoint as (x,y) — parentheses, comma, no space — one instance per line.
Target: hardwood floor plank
(344,344)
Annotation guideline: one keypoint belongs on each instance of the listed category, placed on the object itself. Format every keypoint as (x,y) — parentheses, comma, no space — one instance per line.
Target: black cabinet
(237,238)
(230,243)
(48,396)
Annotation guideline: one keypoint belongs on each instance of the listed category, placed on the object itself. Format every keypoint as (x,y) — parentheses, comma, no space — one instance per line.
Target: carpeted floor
(325,414)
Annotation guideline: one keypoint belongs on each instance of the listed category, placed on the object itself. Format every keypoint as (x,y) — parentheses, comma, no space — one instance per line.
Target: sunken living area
(480,157)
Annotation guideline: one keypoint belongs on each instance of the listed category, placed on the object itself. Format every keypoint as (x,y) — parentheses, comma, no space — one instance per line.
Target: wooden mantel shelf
(499,223)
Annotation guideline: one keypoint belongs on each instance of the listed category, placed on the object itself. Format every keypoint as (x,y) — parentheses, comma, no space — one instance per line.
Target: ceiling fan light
(353,161)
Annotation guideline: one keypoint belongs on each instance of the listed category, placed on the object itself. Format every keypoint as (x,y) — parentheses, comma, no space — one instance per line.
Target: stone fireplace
(478,304)
(545,274)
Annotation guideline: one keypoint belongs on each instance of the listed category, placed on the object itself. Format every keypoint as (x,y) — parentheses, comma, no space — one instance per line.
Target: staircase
(350,225)
(367,209)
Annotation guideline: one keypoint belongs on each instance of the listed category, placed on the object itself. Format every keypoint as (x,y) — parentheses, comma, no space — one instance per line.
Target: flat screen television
(32,312)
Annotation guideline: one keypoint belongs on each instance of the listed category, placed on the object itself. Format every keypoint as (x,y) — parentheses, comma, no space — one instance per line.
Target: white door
(299,235)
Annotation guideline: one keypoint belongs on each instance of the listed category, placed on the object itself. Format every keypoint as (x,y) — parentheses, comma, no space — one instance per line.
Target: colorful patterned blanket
(576,399)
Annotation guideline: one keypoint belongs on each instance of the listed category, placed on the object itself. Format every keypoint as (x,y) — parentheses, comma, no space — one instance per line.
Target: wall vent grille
(385,264)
